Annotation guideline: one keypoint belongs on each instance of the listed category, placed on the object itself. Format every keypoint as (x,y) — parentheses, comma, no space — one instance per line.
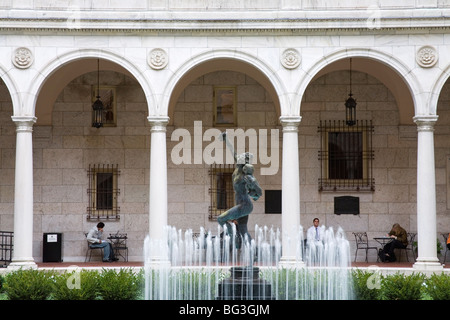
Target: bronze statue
(246,188)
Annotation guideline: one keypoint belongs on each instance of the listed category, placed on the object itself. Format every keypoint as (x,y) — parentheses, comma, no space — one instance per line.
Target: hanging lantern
(350,104)
(97,113)
(97,106)
(350,111)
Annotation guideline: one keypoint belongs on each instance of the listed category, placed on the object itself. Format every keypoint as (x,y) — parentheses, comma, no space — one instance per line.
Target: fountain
(230,265)
(210,266)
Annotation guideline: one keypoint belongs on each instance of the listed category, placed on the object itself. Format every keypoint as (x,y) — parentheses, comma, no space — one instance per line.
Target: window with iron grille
(221,190)
(346,156)
(103,192)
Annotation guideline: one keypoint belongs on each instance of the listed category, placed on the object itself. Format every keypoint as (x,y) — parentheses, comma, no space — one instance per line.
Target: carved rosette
(290,59)
(22,58)
(426,56)
(157,59)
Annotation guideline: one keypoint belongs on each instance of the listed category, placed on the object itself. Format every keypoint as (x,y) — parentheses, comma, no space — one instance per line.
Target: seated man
(94,238)
(400,240)
(315,232)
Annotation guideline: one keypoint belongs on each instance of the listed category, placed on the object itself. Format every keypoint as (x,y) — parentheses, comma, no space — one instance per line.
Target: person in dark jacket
(399,240)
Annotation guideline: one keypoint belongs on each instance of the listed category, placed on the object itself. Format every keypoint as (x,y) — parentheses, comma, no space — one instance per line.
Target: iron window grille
(346,156)
(221,189)
(103,192)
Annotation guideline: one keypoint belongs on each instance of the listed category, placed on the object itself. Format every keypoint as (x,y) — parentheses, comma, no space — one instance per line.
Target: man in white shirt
(315,232)
(94,238)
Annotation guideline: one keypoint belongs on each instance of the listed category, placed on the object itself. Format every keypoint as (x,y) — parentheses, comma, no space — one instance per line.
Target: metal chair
(362,242)
(410,247)
(90,249)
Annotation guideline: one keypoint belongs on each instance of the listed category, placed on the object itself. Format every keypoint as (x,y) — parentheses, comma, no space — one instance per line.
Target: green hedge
(366,285)
(402,287)
(76,285)
(31,284)
(122,285)
(437,286)
(416,286)
(125,284)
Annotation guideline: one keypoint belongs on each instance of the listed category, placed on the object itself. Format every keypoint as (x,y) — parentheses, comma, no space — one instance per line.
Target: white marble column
(158,186)
(23,194)
(290,216)
(426,195)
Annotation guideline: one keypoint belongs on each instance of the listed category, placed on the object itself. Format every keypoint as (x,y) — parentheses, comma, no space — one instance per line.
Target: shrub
(76,285)
(29,284)
(402,287)
(193,285)
(2,281)
(122,285)
(309,284)
(437,286)
(366,285)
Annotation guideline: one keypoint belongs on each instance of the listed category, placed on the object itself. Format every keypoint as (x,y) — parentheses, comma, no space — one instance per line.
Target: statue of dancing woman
(246,188)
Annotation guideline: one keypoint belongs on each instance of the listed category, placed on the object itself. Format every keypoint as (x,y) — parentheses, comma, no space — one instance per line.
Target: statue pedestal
(244,284)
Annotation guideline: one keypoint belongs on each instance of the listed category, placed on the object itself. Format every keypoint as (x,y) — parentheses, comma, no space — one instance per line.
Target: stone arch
(225,60)
(394,74)
(437,89)
(78,62)
(12,89)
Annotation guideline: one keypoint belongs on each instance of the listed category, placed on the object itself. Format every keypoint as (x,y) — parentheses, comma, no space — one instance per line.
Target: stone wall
(7,158)
(442,160)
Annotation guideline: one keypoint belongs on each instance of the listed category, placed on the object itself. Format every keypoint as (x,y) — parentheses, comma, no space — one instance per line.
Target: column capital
(290,123)
(158,119)
(158,123)
(425,122)
(24,123)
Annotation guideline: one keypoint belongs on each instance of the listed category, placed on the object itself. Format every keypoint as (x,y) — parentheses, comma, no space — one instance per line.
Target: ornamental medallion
(157,59)
(290,59)
(22,58)
(426,57)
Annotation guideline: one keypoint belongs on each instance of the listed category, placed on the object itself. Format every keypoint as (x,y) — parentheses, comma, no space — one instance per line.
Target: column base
(428,266)
(291,262)
(157,263)
(22,264)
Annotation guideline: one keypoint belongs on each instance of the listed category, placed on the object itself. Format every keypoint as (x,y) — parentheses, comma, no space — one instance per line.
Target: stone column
(158,186)
(426,195)
(290,216)
(23,194)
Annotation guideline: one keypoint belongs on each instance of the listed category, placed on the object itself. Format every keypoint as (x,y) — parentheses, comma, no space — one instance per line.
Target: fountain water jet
(200,264)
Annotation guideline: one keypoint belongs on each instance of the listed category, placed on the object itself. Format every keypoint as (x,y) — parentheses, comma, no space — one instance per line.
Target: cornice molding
(183,26)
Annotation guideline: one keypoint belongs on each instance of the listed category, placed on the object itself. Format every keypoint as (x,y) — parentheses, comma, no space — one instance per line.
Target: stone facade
(288,62)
